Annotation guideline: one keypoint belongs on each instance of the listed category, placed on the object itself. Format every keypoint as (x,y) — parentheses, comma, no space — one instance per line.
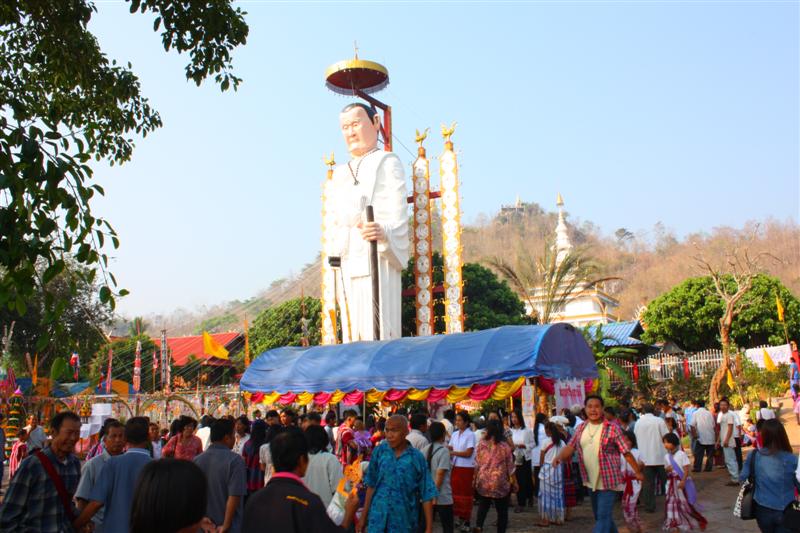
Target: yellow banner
(212,347)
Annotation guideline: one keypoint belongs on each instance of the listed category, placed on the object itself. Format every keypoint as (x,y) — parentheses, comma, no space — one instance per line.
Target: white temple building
(588,304)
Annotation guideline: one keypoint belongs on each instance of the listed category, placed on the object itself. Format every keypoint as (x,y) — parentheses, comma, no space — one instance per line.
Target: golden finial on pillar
(447,133)
(330,163)
(419,139)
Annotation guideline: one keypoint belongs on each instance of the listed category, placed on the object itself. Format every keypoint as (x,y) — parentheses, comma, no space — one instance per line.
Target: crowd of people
(293,472)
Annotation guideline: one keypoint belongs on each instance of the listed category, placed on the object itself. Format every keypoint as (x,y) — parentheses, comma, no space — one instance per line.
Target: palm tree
(548,283)
(606,357)
(137,327)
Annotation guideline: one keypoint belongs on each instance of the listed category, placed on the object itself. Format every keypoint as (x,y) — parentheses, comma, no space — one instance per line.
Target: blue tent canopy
(556,351)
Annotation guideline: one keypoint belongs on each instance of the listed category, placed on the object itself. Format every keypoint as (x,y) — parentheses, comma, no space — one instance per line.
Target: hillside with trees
(647,263)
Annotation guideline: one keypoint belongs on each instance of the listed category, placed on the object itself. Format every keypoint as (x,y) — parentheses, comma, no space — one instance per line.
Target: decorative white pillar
(451,235)
(328,288)
(423,263)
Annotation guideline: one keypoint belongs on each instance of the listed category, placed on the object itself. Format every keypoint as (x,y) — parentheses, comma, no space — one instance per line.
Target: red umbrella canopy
(346,77)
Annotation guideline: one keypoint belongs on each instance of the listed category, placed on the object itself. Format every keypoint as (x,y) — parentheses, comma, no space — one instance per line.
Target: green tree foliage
(81,327)
(281,326)
(689,315)
(488,302)
(63,103)
(607,358)
(124,359)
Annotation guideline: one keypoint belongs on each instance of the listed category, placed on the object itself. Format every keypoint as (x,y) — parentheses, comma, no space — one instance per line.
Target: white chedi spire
(562,246)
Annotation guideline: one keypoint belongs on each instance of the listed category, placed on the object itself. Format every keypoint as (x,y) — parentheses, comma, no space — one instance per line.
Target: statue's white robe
(381,184)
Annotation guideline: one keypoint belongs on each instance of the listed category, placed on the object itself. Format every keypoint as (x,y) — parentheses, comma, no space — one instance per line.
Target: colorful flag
(731,383)
(769,364)
(108,376)
(35,373)
(246,345)
(213,348)
(779,305)
(137,367)
(75,363)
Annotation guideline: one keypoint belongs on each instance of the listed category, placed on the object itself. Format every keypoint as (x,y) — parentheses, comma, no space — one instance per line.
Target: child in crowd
(749,432)
(551,479)
(672,426)
(18,452)
(681,510)
(633,487)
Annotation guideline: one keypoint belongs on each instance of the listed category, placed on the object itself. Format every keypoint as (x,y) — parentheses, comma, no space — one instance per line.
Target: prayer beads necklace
(358,166)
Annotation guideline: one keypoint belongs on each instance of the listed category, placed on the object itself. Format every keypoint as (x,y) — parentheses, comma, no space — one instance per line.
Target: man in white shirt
(649,431)
(703,429)
(727,439)
(155,439)
(419,425)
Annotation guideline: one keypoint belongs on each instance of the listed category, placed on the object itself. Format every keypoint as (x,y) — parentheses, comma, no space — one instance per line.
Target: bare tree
(732,279)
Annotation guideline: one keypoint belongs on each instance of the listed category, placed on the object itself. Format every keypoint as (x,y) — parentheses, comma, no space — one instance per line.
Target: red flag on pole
(686,370)
(108,376)
(169,371)
(137,367)
(635,372)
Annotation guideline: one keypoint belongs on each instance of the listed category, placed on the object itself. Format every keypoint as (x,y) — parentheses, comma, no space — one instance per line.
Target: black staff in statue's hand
(373,269)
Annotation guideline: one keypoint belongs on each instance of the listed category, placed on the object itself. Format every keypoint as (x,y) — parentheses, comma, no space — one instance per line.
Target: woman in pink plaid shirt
(600,445)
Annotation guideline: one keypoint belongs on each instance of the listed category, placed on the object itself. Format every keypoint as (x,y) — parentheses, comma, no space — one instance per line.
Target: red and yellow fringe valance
(496,391)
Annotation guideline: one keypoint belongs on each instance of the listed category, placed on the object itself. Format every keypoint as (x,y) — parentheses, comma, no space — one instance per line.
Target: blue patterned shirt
(32,502)
(400,483)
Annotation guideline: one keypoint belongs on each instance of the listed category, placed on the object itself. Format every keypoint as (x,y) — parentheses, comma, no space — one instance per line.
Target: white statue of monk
(372,177)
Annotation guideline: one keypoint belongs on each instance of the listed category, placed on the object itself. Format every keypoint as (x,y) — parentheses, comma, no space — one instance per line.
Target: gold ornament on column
(328,291)
(423,260)
(451,235)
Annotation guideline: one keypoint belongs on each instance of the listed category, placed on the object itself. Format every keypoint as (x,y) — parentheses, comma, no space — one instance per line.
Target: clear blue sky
(637,112)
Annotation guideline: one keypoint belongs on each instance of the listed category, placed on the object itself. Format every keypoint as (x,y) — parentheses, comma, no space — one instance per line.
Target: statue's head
(360,126)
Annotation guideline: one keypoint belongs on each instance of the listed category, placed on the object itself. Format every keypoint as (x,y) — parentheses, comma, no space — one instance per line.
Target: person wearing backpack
(440,464)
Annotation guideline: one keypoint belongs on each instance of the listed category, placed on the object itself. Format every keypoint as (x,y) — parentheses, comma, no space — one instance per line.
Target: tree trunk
(725,337)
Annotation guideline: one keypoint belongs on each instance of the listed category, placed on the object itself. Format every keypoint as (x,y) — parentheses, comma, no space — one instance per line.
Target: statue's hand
(371,231)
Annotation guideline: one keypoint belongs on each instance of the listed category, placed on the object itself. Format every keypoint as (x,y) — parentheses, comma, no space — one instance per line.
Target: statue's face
(360,134)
